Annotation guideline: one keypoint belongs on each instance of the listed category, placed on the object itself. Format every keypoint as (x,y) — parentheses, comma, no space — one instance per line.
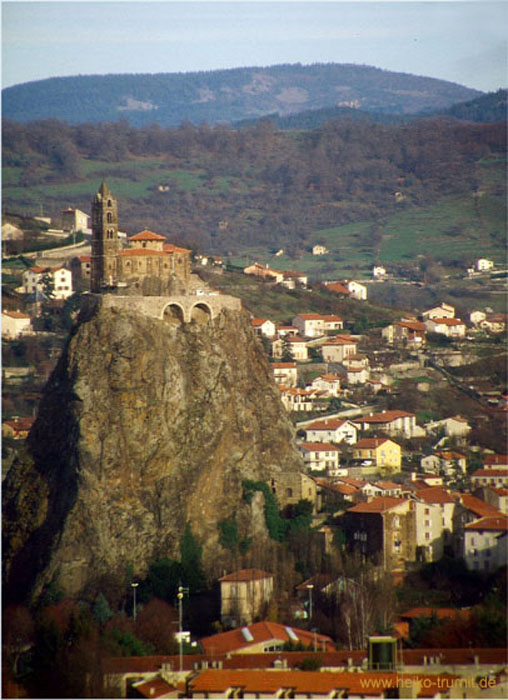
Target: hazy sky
(464,42)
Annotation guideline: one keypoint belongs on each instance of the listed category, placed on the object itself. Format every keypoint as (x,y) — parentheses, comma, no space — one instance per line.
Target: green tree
(101,610)
(191,552)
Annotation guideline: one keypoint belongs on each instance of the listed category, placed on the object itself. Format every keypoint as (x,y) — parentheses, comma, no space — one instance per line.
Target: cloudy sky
(464,42)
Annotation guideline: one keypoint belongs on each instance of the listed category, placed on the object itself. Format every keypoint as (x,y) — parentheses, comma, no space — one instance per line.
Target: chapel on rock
(150,266)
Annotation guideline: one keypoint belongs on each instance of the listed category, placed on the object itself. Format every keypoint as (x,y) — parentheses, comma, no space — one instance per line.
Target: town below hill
(393,532)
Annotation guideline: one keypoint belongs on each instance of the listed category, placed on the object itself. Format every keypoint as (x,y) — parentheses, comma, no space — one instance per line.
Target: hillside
(224,96)
(252,191)
(487,108)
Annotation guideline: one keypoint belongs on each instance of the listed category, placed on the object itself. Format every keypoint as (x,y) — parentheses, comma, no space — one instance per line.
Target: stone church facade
(150,266)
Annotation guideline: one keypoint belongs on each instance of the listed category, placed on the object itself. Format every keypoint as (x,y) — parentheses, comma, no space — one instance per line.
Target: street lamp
(181,592)
(134,586)
(310,586)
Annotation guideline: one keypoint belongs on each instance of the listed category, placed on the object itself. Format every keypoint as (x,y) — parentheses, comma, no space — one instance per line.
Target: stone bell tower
(105,245)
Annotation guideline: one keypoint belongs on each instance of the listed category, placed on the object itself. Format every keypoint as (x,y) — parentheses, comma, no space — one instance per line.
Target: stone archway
(201,313)
(173,315)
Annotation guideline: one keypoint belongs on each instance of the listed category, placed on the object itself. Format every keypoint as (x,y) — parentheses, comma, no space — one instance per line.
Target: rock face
(143,427)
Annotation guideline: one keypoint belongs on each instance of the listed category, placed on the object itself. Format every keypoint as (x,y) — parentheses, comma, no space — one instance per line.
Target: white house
(296,399)
(285,373)
(357,290)
(378,272)
(328,383)
(355,375)
(291,279)
(490,477)
(263,326)
(331,430)
(338,348)
(476,317)
(296,345)
(61,280)
(15,323)
(450,327)
(441,311)
(483,264)
(319,250)
(320,455)
(391,422)
(429,531)
(484,543)
(445,462)
(75,220)
(455,426)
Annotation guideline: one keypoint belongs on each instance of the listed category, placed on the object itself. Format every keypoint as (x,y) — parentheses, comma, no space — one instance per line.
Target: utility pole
(310,587)
(181,592)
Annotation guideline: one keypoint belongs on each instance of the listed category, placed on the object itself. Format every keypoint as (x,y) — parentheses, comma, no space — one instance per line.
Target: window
(427,511)
(427,535)
(427,523)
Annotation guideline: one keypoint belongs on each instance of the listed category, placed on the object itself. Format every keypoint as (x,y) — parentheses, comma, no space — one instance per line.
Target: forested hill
(227,95)
(487,108)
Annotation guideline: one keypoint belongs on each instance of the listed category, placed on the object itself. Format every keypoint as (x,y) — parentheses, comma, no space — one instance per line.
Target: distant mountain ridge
(228,95)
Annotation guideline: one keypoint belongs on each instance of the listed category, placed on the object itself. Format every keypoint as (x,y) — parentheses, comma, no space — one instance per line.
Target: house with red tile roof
(329,383)
(495,462)
(311,325)
(390,422)
(262,637)
(445,462)
(320,456)
(405,331)
(244,594)
(285,373)
(264,271)
(15,323)
(484,543)
(495,496)
(338,348)
(263,326)
(383,453)
(490,477)
(450,327)
(333,430)
(383,529)
(297,347)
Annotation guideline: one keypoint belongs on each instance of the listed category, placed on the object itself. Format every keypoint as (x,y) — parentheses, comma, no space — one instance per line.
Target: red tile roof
(327,424)
(154,688)
(370,443)
(171,248)
(140,252)
(477,506)
(435,494)
(380,504)
(489,522)
(283,365)
(234,640)
(246,575)
(337,287)
(384,417)
(147,236)
(316,683)
(491,472)
(496,460)
(440,613)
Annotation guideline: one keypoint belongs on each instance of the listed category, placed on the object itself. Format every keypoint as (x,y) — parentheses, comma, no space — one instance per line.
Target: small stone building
(243,595)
